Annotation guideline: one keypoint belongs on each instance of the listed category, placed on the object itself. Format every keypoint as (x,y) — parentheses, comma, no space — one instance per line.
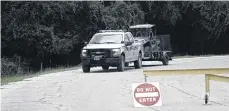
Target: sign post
(146,94)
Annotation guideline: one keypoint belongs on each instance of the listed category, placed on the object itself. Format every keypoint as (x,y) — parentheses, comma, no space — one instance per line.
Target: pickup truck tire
(138,63)
(105,67)
(86,68)
(121,66)
(165,60)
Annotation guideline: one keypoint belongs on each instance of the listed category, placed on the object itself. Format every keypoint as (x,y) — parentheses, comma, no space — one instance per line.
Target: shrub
(13,66)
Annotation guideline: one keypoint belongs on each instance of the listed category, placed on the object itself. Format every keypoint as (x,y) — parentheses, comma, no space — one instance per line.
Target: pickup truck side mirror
(127,42)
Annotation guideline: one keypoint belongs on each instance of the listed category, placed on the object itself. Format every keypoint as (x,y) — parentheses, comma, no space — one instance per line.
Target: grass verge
(14,78)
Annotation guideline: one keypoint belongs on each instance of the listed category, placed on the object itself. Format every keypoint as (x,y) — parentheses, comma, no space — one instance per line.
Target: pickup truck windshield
(139,32)
(106,38)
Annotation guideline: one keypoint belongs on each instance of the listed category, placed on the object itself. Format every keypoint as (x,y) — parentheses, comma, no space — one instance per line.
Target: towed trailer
(156,47)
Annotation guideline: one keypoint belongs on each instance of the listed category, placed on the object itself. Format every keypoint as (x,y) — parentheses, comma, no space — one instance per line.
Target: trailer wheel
(165,60)
(105,67)
(126,64)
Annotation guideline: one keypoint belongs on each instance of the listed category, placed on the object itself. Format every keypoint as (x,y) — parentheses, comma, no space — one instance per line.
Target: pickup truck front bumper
(103,61)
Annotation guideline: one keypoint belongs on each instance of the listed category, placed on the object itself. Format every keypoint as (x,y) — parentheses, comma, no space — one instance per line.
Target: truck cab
(156,47)
(111,48)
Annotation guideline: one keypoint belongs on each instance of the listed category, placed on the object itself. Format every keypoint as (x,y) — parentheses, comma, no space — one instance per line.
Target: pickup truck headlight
(116,52)
(84,53)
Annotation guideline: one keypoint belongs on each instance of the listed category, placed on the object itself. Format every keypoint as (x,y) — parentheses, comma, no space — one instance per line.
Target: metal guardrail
(208,72)
(209,77)
(186,71)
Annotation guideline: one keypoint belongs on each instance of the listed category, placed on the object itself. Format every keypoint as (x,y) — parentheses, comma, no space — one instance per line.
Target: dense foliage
(48,34)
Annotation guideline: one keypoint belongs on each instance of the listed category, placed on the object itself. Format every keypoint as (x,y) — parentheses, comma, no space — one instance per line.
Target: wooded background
(51,34)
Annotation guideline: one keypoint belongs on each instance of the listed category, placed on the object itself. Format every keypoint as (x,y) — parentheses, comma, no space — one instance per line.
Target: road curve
(111,90)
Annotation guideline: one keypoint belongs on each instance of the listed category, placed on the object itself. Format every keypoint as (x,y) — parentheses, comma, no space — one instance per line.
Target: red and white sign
(146,94)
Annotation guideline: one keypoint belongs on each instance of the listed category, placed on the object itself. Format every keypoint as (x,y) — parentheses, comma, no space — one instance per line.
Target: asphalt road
(111,90)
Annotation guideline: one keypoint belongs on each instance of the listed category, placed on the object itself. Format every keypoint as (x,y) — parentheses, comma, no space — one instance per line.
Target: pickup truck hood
(103,46)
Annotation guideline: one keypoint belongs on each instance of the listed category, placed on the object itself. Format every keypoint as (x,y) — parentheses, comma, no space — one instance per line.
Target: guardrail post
(207,94)
(207,78)
(145,78)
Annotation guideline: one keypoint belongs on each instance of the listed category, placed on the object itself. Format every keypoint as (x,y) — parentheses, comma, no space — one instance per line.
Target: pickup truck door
(127,49)
(134,48)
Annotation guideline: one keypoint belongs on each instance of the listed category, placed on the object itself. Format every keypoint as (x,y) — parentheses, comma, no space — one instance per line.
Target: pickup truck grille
(99,52)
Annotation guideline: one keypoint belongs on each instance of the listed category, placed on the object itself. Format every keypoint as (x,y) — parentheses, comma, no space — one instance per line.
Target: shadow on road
(113,69)
(152,65)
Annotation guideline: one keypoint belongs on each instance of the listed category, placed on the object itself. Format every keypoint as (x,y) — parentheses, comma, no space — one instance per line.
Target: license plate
(97,58)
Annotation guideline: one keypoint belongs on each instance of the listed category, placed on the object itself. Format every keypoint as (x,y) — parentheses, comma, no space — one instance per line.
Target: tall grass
(14,70)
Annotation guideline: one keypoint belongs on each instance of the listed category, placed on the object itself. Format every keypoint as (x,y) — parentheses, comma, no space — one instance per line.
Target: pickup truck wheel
(165,60)
(121,66)
(105,67)
(138,63)
(86,68)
